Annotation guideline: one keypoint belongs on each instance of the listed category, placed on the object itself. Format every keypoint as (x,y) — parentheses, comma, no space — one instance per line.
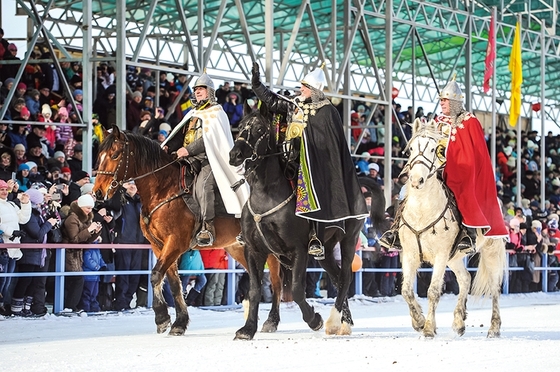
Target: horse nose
(234,156)
(416,182)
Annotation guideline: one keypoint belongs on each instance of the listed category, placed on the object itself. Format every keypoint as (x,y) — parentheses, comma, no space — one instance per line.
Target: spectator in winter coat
(78,228)
(32,103)
(192,260)
(214,259)
(33,260)
(92,262)
(11,215)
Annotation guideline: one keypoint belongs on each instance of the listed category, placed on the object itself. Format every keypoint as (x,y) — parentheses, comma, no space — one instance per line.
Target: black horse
(269,225)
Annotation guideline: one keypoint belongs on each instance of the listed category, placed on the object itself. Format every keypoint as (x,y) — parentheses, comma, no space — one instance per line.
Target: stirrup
(466,245)
(390,241)
(316,249)
(204,238)
(240,240)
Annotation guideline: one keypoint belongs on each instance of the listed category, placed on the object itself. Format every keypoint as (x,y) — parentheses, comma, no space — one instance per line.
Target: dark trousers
(369,280)
(88,302)
(25,285)
(38,306)
(388,279)
(126,285)
(73,288)
(312,278)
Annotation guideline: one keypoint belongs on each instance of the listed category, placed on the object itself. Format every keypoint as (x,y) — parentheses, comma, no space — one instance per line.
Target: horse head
(111,161)
(423,161)
(255,138)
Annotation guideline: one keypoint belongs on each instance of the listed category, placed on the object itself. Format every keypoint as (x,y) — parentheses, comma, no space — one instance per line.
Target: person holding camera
(78,228)
(11,215)
(150,128)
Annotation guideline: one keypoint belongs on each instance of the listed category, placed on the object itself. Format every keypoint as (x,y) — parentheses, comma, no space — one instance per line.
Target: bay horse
(429,229)
(269,225)
(166,221)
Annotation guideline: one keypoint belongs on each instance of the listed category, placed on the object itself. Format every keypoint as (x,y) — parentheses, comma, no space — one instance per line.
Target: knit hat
(31,164)
(23,167)
(24,112)
(66,170)
(374,166)
(19,146)
(514,222)
(46,109)
(81,174)
(553,216)
(136,94)
(536,224)
(87,188)
(22,86)
(63,111)
(86,201)
(525,203)
(12,46)
(78,148)
(59,154)
(9,80)
(78,91)
(36,197)
(166,127)
(3,184)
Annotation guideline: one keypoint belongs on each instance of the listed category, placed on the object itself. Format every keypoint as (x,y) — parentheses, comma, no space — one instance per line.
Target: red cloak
(469,174)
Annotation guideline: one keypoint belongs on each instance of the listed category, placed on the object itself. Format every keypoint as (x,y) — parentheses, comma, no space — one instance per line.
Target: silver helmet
(315,79)
(452,91)
(204,81)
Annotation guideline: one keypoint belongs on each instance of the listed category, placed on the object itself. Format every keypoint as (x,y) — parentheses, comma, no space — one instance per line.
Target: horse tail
(377,213)
(491,267)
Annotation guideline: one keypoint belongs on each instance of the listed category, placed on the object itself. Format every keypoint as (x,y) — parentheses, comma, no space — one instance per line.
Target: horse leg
(271,324)
(434,294)
(182,316)
(255,268)
(162,317)
(340,320)
(464,280)
(410,264)
(313,319)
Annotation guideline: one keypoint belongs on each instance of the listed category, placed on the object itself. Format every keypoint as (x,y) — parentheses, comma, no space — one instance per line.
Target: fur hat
(86,201)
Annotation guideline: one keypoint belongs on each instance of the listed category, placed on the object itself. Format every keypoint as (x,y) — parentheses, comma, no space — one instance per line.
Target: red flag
(490,55)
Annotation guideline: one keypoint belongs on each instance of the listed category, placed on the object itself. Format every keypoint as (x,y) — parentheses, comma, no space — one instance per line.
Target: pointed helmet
(315,79)
(452,91)
(204,81)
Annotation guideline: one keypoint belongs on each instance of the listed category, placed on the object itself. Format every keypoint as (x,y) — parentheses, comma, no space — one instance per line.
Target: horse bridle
(421,158)
(115,183)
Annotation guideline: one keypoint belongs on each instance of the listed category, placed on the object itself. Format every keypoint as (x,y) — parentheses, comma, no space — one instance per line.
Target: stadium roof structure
(369,46)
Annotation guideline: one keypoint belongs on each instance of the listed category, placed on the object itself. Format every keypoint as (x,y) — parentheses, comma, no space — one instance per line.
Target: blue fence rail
(59,274)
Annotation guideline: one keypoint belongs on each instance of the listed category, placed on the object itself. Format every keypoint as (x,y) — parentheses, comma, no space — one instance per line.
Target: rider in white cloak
(204,136)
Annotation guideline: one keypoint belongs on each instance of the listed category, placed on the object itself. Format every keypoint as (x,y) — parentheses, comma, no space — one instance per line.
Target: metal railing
(59,274)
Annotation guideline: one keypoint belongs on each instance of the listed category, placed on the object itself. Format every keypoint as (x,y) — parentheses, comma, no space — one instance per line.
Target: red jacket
(214,258)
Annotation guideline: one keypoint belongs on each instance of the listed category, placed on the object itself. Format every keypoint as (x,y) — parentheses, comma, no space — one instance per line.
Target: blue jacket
(191,260)
(33,106)
(92,262)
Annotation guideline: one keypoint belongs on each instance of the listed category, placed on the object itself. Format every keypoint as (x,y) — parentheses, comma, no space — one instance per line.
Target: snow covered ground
(382,340)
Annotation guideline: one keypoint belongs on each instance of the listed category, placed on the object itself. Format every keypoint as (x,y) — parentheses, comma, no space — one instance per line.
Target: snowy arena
(382,339)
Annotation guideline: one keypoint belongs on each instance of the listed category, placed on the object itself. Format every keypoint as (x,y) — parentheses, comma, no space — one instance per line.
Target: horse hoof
(243,336)
(429,334)
(176,331)
(161,328)
(317,322)
(493,334)
(269,327)
(345,329)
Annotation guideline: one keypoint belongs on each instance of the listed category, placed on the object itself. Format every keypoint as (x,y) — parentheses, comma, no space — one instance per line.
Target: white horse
(429,231)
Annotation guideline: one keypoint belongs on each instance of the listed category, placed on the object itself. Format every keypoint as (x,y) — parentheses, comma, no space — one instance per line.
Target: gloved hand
(255,79)
(17,234)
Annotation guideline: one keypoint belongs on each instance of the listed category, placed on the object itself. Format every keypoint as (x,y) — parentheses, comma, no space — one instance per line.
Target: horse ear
(246,109)
(432,125)
(115,131)
(417,125)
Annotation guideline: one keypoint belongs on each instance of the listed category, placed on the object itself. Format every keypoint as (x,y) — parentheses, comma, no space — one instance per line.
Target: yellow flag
(516,77)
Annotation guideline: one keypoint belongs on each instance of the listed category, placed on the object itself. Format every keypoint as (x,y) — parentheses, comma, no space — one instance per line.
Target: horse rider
(468,173)
(204,139)
(327,190)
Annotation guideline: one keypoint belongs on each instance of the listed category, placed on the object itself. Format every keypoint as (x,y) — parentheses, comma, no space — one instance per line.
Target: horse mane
(147,152)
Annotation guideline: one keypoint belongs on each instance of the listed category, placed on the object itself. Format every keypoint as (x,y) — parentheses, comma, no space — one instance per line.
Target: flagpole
(493,134)
(518,128)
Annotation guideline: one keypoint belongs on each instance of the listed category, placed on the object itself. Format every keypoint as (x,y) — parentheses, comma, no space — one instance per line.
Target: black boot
(206,236)
(467,245)
(191,297)
(390,240)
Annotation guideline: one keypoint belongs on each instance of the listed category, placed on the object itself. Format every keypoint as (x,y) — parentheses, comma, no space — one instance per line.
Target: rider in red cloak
(468,173)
